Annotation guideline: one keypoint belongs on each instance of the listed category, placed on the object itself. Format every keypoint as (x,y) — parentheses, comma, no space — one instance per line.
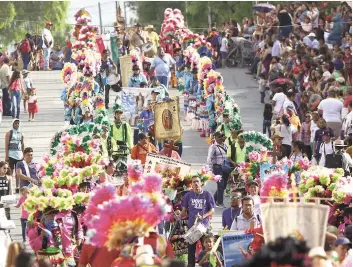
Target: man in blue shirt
(136,78)
(234,210)
(199,204)
(162,64)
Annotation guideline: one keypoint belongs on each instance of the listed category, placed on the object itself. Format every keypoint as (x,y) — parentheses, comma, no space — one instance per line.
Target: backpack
(11,134)
(25,46)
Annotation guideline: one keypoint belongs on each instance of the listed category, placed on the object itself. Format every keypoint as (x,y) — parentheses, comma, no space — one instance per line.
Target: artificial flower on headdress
(257,141)
(120,220)
(204,47)
(205,67)
(275,185)
(69,74)
(342,193)
(249,171)
(319,181)
(40,199)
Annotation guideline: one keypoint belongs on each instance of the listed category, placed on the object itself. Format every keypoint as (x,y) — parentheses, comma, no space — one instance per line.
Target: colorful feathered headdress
(117,221)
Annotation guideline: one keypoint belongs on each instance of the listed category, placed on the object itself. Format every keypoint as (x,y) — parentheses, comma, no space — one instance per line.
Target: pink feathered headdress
(275,185)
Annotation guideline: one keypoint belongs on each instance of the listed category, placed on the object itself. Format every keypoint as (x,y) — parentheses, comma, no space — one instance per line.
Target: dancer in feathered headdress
(51,225)
(119,221)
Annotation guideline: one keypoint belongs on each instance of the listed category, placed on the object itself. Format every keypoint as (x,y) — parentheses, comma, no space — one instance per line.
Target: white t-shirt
(47,35)
(313,128)
(280,98)
(224,45)
(286,133)
(325,149)
(332,109)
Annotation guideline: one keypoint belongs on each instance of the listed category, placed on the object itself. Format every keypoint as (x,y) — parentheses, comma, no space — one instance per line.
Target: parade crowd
(300,57)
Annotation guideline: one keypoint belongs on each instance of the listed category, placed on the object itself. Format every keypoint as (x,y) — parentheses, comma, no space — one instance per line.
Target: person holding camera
(119,142)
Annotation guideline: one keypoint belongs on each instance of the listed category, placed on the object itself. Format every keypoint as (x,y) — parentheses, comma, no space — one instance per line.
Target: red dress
(32,105)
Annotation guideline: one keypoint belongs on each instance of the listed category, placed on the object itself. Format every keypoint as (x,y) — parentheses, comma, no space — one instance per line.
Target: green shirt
(224,128)
(241,153)
(118,134)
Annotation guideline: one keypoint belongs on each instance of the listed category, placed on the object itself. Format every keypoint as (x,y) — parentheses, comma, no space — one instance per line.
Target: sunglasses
(235,198)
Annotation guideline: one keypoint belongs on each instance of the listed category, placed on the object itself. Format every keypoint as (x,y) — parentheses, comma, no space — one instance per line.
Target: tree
(221,11)
(197,12)
(20,17)
(153,12)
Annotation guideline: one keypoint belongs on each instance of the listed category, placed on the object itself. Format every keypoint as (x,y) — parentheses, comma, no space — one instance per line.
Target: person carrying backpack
(340,159)
(326,149)
(26,47)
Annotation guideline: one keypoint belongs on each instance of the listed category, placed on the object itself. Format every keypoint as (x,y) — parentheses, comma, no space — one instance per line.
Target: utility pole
(100,17)
(125,18)
(186,13)
(209,14)
(116,10)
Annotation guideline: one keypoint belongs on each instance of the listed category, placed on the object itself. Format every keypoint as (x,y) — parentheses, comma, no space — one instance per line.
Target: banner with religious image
(167,120)
(306,221)
(166,166)
(268,168)
(236,248)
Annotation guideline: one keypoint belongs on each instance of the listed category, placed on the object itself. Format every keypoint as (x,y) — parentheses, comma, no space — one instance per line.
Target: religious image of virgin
(167,119)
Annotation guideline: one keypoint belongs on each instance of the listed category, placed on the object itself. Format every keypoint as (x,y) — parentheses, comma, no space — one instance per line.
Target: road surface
(51,116)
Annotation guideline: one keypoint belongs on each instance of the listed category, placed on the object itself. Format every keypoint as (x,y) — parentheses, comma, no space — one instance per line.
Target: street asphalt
(50,119)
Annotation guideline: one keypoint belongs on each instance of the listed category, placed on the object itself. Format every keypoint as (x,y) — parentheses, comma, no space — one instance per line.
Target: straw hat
(276,135)
(149,27)
(339,143)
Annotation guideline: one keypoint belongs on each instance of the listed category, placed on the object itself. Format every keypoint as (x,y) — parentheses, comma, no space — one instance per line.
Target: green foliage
(61,36)
(20,17)
(197,12)
(152,12)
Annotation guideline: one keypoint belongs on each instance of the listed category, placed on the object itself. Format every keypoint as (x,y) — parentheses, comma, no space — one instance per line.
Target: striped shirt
(217,153)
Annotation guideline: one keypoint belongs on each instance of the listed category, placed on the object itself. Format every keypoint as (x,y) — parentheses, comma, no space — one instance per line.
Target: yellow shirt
(154,38)
(240,154)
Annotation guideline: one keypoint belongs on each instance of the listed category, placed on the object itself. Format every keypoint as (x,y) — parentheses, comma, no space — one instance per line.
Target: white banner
(303,220)
(165,166)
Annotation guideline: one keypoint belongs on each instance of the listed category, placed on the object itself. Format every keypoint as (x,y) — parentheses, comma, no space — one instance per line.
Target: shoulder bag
(226,165)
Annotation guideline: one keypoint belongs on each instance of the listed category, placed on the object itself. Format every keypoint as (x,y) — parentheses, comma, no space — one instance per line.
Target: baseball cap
(342,241)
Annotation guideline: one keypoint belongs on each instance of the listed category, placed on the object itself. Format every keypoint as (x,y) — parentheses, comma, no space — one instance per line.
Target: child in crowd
(24,191)
(204,256)
(262,87)
(267,119)
(32,104)
(27,85)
